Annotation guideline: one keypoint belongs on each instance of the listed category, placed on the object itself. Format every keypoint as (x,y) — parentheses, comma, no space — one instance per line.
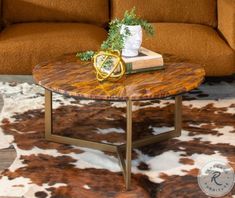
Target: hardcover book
(147,60)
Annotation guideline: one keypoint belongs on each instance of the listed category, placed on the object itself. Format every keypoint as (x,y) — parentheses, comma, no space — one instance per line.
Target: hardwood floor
(16,78)
(7,156)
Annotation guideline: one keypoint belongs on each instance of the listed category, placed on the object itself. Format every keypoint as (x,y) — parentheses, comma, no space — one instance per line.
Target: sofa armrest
(226,20)
(1,24)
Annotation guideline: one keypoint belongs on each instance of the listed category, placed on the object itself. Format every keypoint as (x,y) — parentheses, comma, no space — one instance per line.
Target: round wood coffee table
(68,76)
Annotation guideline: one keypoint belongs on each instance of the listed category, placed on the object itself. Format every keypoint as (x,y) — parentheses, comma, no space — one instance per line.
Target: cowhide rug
(167,169)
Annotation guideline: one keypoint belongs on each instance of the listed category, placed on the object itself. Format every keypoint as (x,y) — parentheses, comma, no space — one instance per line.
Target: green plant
(130,18)
(116,39)
(86,56)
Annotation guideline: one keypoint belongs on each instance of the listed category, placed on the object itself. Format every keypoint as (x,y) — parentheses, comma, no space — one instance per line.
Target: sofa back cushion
(87,11)
(186,11)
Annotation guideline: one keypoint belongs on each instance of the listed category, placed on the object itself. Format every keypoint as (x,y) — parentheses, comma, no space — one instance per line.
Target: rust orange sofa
(202,31)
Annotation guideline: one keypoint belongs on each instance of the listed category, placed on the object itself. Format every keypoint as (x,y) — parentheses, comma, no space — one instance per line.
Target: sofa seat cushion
(83,11)
(22,46)
(196,43)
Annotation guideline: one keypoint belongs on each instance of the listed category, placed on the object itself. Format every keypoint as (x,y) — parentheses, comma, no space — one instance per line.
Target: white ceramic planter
(133,42)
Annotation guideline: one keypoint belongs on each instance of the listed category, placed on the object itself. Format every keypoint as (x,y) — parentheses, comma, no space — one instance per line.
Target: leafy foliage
(115,40)
(130,18)
(107,64)
(85,56)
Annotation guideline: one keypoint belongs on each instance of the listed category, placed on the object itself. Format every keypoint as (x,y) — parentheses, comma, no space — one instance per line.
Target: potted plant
(124,35)
(124,38)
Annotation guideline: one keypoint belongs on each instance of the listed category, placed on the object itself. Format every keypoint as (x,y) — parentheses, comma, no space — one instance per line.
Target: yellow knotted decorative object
(109,65)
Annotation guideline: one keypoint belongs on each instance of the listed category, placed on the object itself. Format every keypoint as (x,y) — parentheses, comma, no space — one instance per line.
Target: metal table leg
(128,144)
(178,115)
(48,114)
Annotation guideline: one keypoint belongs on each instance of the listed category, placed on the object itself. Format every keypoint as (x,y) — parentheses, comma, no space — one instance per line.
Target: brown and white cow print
(167,169)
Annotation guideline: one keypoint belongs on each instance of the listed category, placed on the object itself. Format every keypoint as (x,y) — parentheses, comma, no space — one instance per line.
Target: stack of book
(147,60)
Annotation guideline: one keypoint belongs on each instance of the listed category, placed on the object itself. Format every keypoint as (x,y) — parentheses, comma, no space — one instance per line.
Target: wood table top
(69,76)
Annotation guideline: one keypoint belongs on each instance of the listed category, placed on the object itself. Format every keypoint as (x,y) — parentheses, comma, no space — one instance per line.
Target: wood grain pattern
(68,75)
(7,157)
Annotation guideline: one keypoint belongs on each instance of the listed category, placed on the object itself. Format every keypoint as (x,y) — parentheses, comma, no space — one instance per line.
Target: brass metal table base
(125,164)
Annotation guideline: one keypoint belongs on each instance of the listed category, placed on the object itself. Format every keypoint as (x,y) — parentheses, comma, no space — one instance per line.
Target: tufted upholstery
(87,11)
(226,23)
(22,46)
(200,31)
(196,43)
(181,11)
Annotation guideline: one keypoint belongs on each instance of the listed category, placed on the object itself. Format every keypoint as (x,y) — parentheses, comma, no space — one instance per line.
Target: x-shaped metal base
(125,162)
